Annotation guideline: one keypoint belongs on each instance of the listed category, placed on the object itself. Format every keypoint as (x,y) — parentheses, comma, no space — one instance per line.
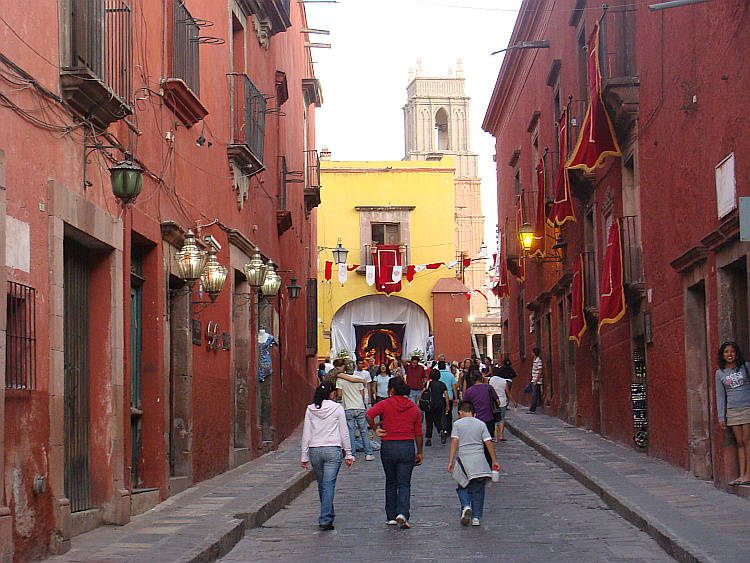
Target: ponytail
(322,392)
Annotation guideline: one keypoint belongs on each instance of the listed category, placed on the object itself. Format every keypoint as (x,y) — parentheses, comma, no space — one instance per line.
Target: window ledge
(182,101)
(283,221)
(91,98)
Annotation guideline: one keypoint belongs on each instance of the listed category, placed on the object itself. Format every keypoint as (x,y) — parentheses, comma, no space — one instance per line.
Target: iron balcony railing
(370,250)
(20,338)
(590,280)
(101,41)
(185,51)
(617,43)
(632,261)
(313,169)
(249,115)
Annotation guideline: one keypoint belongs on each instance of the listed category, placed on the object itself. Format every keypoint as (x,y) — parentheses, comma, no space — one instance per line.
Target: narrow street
(536,513)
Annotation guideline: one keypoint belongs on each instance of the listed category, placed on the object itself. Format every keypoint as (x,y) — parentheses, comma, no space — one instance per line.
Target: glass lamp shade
(214,275)
(190,260)
(255,271)
(526,234)
(294,288)
(339,254)
(272,282)
(127,180)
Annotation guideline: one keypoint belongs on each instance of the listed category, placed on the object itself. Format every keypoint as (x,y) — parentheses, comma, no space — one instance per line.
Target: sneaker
(391,523)
(466,516)
(428,442)
(475,521)
(443,436)
(403,522)
(326,527)
(369,457)
(376,446)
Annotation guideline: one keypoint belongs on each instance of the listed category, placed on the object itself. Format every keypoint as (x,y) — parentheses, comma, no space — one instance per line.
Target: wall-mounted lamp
(272,283)
(540,44)
(213,276)
(526,236)
(127,181)
(190,260)
(200,141)
(482,252)
(293,288)
(255,271)
(339,253)
(194,264)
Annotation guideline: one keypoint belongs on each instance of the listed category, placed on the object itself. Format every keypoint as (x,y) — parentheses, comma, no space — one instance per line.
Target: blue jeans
(398,463)
(473,496)
(355,418)
(326,461)
(536,397)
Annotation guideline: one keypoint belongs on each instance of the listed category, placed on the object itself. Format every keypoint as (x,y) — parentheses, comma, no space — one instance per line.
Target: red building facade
(670,83)
(122,385)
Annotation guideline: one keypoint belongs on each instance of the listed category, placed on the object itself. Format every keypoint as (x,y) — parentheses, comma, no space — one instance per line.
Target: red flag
(521,275)
(537,242)
(596,140)
(386,257)
(409,273)
(329,270)
(577,317)
(612,302)
(562,209)
(434,265)
(352,267)
(466,262)
(502,289)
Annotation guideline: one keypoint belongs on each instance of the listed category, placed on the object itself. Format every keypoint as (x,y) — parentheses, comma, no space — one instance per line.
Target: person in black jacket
(507,372)
(439,403)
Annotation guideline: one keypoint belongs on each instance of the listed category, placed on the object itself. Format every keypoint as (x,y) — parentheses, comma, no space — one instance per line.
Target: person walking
(470,442)
(480,395)
(447,377)
(502,388)
(733,403)
(399,429)
(416,376)
(439,402)
(536,380)
(352,396)
(507,372)
(380,383)
(324,436)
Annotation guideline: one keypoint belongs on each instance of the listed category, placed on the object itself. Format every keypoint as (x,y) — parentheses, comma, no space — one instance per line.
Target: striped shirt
(536,371)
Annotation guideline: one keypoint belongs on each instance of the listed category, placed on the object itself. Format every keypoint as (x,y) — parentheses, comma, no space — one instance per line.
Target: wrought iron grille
(185,52)
(313,169)
(576,112)
(632,264)
(249,111)
(101,40)
(312,315)
(20,338)
(617,44)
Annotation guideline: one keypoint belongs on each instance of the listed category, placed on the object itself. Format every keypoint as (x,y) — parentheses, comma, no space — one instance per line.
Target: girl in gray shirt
(733,403)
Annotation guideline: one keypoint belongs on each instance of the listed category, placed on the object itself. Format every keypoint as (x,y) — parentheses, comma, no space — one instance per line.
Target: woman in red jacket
(400,427)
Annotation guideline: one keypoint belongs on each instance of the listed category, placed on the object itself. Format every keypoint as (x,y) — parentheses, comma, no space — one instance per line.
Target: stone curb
(676,547)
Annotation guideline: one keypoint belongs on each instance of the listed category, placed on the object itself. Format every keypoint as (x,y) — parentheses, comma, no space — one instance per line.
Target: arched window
(442,140)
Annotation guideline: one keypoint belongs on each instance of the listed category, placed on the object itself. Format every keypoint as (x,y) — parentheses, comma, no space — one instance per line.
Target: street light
(255,271)
(127,181)
(340,253)
(272,283)
(293,288)
(540,44)
(213,276)
(526,236)
(190,260)
(482,252)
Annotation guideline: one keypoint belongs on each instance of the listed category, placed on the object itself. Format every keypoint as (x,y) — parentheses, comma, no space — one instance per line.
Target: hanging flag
(596,140)
(577,318)
(419,268)
(433,266)
(352,267)
(466,262)
(397,273)
(562,209)
(329,270)
(342,273)
(521,275)
(452,264)
(370,275)
(612,302)
(537,241)
(502,289)
(410,274)
(386,257)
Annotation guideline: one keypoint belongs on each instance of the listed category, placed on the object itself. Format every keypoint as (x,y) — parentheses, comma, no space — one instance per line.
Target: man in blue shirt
(450,382)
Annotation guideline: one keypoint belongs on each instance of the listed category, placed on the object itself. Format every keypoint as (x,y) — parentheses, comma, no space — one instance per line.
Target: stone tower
(436,124)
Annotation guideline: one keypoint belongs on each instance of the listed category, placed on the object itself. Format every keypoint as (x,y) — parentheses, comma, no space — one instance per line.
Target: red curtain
(612,302)
(521,275)
(577,317)
(562,209)
(386,257)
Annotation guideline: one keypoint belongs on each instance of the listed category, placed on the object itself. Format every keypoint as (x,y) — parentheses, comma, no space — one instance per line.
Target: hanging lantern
(255,271)
(214,275)
(272,282)
(127,181)
(526,236)
(294,288)
(340,253)
(190,260)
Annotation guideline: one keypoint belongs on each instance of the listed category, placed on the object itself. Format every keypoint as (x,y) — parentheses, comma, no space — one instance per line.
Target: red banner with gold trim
(577,317)
(386,257)
(612,301)
(562,209)
(537,242)
(597,139)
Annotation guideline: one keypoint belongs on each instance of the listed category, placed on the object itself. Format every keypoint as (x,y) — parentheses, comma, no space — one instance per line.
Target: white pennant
(342,273)
(397,272)
(450,265)
(370,275)
(419,268)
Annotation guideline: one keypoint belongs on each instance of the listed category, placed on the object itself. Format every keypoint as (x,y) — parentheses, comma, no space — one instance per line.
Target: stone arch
(442,130)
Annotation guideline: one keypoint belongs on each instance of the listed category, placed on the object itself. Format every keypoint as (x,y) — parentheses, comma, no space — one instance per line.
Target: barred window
(185,38)
(312,316)
(20,339)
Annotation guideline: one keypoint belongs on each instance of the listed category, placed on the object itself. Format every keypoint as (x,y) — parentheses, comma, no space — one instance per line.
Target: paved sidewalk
(690,518)
(204,522)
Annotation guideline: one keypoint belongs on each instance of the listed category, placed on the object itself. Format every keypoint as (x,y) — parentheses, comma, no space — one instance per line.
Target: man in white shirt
(365,375)
(352,397)
(536,380)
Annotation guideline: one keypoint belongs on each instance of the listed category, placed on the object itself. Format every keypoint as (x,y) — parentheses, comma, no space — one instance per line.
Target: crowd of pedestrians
(386,406)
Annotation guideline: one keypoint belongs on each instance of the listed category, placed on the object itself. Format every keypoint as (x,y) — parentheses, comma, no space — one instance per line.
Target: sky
(365,73)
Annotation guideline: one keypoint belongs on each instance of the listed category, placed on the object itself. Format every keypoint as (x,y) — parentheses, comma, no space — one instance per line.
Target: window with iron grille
(20,338)
(185,41)
(312,316)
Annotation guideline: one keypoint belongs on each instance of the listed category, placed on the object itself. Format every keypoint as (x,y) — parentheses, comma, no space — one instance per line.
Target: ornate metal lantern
(190,260)
(127,181)
(272,282)
(255,271)
(214,275)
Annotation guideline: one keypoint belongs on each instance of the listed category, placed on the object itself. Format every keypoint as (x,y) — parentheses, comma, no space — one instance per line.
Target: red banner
(502,289)
(612,302)
(410,273)
(537,243)
(562,209)
(328,270)
(577,317)
(521,275)
(596,140)
(386,257)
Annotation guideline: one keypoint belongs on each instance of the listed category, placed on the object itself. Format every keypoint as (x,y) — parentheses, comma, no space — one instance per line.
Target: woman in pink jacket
(324,436)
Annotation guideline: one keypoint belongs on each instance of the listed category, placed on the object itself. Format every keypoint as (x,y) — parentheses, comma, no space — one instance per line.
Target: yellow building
(369,206)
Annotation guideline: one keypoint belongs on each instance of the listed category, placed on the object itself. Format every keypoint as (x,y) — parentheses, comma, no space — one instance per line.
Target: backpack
(425,400)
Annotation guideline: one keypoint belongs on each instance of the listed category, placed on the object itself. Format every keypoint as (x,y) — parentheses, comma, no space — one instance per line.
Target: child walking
(469,439)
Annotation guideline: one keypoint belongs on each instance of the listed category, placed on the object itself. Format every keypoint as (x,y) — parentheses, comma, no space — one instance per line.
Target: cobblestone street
(536,513)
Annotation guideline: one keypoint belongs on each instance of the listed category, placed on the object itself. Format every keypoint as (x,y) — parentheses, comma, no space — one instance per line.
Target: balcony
(312,181)
(96,73)
(368,252)
(581,183)
(632,259)
(248,125)
(620,80)
(271,17)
